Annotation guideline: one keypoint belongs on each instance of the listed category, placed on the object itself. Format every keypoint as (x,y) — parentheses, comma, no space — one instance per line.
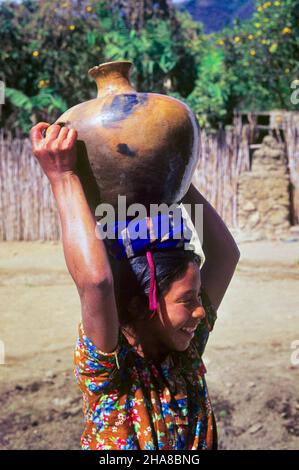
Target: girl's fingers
(71,137)
(53,132)
(62,134)
(56,136)
(36,132)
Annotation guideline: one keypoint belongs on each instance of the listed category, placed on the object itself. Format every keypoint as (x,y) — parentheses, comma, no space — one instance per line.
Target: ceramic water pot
(140,145)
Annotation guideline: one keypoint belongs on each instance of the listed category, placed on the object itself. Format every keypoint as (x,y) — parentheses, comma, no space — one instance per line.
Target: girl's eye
(193,300)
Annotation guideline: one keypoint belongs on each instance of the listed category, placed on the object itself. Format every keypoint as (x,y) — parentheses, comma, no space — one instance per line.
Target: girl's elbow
(96,280)
(237,255)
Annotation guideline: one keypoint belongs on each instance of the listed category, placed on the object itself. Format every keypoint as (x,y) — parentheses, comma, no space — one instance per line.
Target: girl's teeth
(189,330)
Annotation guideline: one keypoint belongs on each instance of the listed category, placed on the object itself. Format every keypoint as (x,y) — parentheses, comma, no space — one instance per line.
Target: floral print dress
(131,403)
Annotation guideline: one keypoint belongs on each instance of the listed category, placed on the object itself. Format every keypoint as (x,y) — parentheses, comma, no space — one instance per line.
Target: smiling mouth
(188,332)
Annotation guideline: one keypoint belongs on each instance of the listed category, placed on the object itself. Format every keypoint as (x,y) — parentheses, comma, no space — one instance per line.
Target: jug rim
(98,68)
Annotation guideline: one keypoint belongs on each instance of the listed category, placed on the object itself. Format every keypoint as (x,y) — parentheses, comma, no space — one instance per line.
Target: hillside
(215,14)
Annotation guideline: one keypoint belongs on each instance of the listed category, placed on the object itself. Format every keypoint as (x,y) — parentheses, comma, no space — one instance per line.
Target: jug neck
(112,78)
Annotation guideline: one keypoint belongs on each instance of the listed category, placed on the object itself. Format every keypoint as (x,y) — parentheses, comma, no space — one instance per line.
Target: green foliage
(46,101)
(250,66)
(262,55)
(156,51)
(47,47)
(209,97)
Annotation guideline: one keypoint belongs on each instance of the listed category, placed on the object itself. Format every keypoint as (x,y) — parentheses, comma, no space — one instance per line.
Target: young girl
(139,366)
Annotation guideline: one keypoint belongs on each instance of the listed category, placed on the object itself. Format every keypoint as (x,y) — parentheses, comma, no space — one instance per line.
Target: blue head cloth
(129,238)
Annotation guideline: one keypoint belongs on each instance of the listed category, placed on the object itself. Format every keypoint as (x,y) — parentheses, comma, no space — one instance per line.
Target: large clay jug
(140,145)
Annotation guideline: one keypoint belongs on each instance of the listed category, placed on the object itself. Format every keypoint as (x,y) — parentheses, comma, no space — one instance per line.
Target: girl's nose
(199,312)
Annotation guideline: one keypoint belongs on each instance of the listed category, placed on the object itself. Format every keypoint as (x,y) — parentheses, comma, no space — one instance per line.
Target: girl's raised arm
(85,254)
(220,249)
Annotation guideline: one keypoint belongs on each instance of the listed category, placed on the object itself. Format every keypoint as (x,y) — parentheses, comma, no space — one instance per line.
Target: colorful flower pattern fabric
(131,403)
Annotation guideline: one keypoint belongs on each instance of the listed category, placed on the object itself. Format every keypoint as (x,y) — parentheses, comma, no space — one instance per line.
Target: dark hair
(132,278)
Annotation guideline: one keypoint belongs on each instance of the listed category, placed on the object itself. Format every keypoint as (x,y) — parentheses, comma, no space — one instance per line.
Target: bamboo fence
(223,157)
(27,206)
(28,210)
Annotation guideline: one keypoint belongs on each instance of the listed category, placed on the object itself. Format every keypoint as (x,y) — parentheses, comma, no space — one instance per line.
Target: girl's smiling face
(172,328)
(180,311)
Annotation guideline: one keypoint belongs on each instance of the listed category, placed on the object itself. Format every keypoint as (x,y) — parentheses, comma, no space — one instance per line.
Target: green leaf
(91,38)
(18,99)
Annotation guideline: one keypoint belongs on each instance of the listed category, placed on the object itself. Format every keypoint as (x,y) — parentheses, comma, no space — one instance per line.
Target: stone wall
(263,193)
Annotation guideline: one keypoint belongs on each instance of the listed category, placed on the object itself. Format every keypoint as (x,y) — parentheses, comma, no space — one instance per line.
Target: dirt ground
(253,383)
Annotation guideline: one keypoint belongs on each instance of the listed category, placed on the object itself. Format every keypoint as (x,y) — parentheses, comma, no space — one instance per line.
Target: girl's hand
(56,152)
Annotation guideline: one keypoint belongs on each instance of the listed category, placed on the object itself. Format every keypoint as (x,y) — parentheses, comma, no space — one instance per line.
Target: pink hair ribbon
(153,305)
